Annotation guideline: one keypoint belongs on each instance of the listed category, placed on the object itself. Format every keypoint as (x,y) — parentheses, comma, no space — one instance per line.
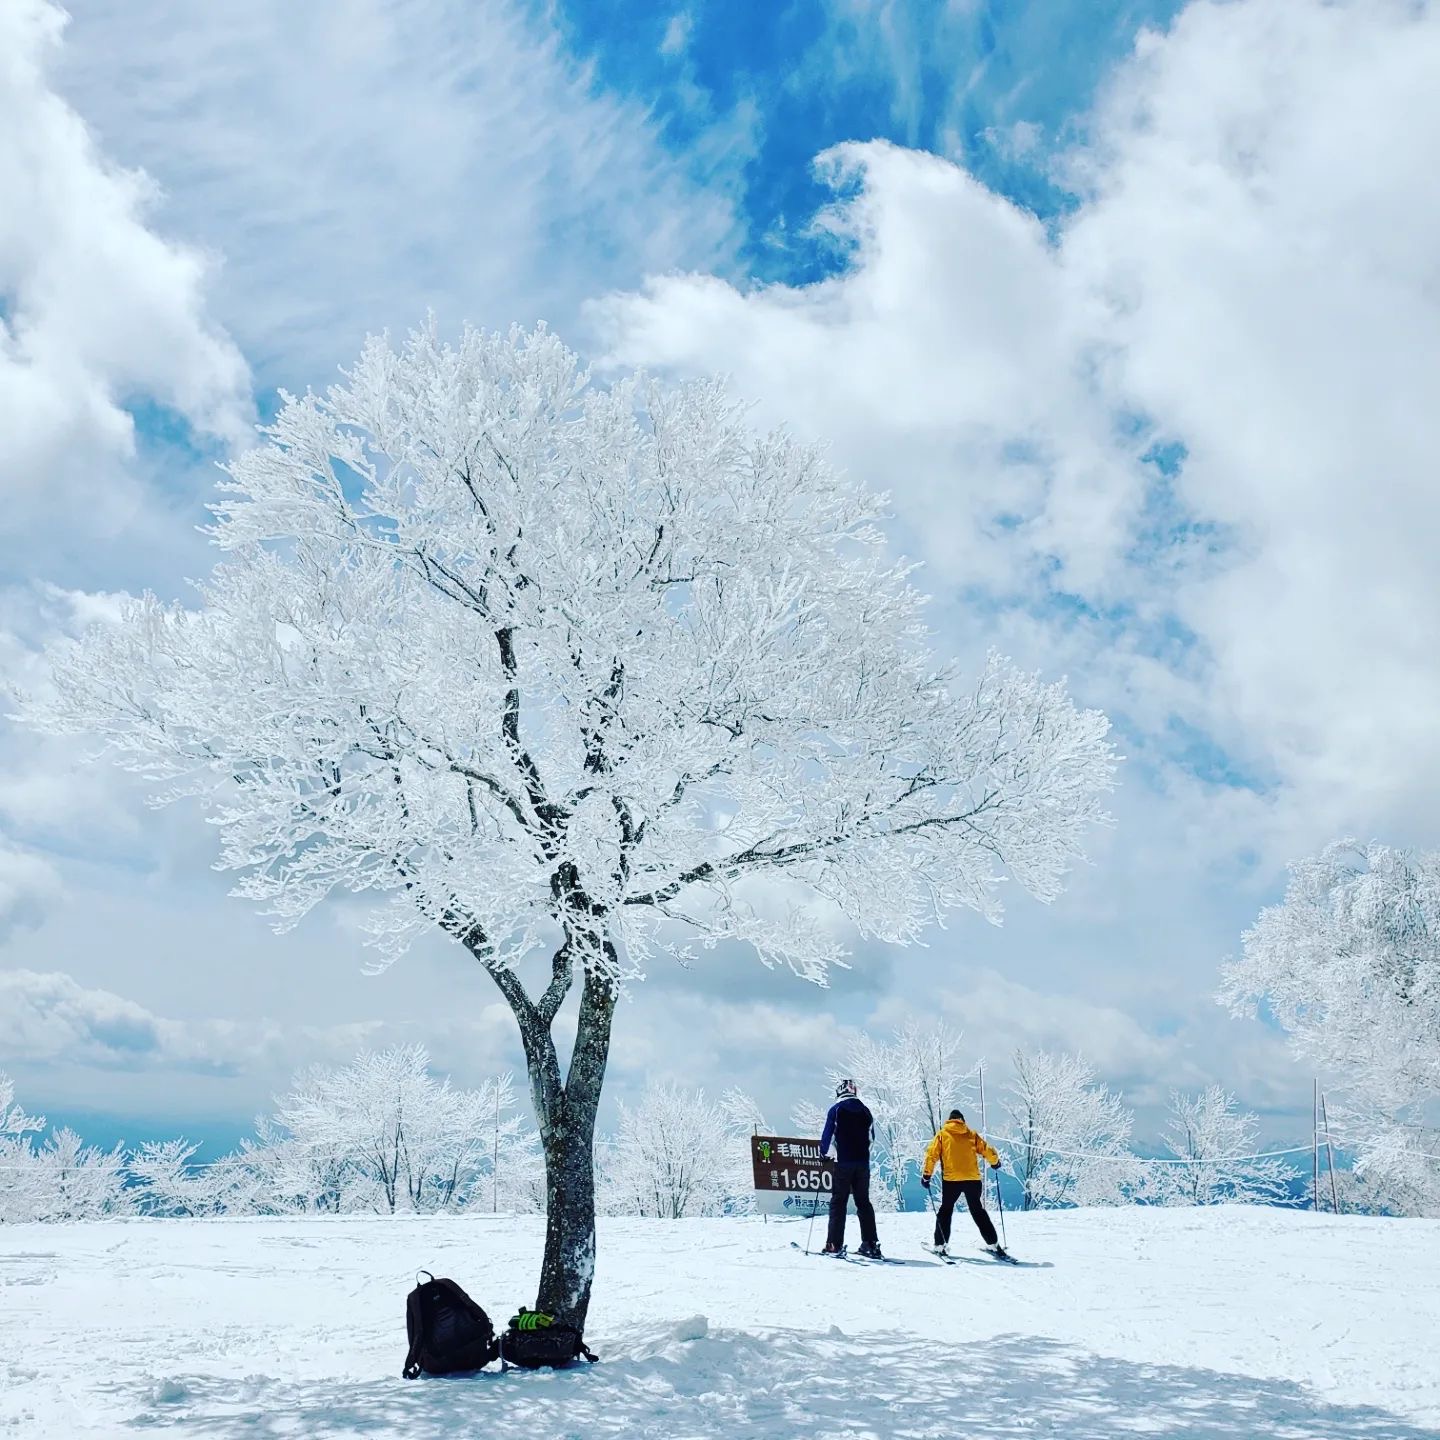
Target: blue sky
(1135,331)
(955,79)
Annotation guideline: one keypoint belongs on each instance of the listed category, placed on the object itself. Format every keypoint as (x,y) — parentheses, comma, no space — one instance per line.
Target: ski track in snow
(1221,1324)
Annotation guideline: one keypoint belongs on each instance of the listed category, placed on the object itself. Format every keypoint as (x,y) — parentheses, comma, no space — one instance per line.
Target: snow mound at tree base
(1224,1324)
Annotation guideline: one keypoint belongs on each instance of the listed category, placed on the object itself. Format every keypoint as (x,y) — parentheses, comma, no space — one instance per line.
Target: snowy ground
(1232,1323)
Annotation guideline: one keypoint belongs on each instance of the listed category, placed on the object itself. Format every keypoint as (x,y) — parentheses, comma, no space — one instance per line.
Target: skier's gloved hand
(925,1181)
(994,1164)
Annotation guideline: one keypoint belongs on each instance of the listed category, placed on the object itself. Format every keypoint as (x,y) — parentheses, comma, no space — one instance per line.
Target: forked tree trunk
(566,1114)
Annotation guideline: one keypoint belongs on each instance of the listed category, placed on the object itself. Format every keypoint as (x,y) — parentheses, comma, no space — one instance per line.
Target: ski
(850,1256)
(823,1254)
(988,1257)
(943,1256)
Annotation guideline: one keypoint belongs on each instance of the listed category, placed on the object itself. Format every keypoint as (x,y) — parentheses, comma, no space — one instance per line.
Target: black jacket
(850,1125)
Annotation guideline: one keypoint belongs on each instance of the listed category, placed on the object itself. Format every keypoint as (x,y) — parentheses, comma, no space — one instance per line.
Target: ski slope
(1232,1322)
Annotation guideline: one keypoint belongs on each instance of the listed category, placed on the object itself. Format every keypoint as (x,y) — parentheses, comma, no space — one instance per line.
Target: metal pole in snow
(764,1214)
(1329,1153)
(495,1161)
(984,1127)
(1315,1147)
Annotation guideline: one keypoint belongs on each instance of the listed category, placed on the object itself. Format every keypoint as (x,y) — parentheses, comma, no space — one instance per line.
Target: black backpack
(534,1340)
(448,1331)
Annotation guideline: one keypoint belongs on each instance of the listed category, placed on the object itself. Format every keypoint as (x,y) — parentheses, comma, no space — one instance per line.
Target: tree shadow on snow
(732,1385)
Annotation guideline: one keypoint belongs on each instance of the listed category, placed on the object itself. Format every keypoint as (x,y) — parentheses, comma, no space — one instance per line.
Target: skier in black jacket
(851,1126)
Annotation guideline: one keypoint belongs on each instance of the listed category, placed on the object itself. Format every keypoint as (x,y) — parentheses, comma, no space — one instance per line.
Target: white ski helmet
(846,1088)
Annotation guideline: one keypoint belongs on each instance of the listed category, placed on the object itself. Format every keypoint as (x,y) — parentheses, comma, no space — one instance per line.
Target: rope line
(1131,1159)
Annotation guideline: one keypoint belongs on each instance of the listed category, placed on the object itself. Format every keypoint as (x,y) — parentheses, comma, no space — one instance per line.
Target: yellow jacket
(958,1149)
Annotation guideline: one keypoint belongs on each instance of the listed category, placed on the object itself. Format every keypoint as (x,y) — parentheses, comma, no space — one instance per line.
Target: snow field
(1225,1322)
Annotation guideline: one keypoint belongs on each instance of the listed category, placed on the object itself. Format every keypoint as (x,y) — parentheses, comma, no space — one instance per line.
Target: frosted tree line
(382,1135)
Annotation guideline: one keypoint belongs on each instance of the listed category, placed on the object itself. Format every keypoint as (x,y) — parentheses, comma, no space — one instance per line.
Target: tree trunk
(566,1115)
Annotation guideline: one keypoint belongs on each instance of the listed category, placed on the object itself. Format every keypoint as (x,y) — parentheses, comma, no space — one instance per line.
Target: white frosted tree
(75,1181)
(579,676)
(889,1088)
(909,1084)
(742,1112)
(14,1122)
(1349,964)
(19,1177)
(1070,1133)
(168,1184)
(1211,1135)
(930,1056)
(674,1155)
(384,1134)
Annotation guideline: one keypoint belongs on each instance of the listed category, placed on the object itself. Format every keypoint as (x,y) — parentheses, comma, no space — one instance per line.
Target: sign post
(791,1175)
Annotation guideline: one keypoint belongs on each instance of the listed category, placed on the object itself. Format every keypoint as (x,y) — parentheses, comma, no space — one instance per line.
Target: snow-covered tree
(1349,964)
(742,1113)
(930,1055)
(1071,1133)
(169,1184)
(808,1118)
(890,1088)
(910,1083)
(19,1179)
(1212,1135)
(71,1180)
(572,673)
(14,1122)
(384,1134)
(675,1154)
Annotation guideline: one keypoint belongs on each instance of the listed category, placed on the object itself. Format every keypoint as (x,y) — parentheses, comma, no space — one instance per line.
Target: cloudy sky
(1133,306)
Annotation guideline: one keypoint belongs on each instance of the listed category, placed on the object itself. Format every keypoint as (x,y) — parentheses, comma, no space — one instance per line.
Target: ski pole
(810,1229)
(1000,1204)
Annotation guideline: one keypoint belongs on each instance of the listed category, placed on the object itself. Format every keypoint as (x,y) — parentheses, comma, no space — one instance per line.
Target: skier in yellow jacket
(957,1149)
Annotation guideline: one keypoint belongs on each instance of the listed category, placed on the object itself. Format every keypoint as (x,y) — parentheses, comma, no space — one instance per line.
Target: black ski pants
(950,1192)
(852,1177)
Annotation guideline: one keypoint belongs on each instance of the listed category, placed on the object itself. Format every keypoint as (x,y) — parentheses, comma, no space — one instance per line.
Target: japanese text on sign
(784,1163)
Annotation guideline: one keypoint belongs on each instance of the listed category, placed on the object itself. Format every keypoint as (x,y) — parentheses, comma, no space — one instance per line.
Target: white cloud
(1250,273)
(1261,215)
(948,363)
(357,161)
(27,882)
(48,1017)
(96,309)
(1251,269)
(677,33)
(346,164)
